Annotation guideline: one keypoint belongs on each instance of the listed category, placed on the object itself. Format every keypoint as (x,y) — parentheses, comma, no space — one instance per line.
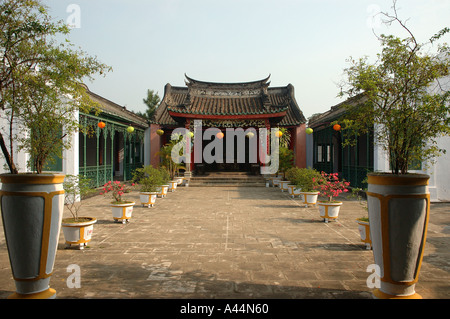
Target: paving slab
(234,242)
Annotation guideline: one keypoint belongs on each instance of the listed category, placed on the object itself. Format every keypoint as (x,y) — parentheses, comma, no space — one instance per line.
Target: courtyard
(230,242)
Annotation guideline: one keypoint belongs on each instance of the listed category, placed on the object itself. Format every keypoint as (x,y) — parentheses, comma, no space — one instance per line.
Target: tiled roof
(228,99)
(120,112)
(335,112)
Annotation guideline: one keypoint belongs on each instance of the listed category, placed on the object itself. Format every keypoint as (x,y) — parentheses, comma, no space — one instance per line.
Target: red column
(300,146)
(155,145)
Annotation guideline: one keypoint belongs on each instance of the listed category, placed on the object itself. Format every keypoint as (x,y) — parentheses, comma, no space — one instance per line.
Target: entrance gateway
(245,105)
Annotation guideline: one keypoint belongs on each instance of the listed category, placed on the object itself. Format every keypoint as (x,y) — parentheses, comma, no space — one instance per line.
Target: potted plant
(307,180)
(286,158)
(122,209)
(164,186)
(363,222)
(364,231)
(330,186)
(148,179)
(407,116)
(292,176)
(166,160)
(77,230)
(37,76)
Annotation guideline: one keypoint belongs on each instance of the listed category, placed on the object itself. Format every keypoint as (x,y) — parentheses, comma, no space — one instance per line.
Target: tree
(395,94)
(152,102)
(40,82)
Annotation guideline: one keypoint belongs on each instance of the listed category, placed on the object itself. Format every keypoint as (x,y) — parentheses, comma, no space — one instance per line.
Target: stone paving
(231,242)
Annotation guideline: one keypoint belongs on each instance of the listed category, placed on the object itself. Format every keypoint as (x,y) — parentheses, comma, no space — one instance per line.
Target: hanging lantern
(309,130)
(101,124)
(249,135)
(159,132)
(220,135)
(130,129)
(278,134)
(191,134)
(336,127)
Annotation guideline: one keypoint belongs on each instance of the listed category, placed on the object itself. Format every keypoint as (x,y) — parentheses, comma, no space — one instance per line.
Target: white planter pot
(329,210)
(148,198)
(179,180)
(173,185)
(122,212)
(32,208)
(364,232)
(284,185)
(293,190)
(399,208)
(78,233)
(162,191)
(309,198)
(276,181)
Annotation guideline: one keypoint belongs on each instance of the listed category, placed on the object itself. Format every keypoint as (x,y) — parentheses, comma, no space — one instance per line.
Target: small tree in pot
(40,95)
(330,186)
(408,115)
(77,230)
(148,180)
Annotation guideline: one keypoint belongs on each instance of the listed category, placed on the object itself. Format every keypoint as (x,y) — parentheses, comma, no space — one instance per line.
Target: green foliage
(165,176)
(306,178)
(165,154)
(286,159)
(76,188)
(285,138)
(149,178)
(151,101)
(396,96)
(292,174)
(40,82)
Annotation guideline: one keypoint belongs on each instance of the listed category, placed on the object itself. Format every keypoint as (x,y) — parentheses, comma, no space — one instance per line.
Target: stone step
(227,179)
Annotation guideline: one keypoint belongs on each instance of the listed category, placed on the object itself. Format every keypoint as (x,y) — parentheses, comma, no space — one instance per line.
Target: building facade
(116,150)
(229,106)
(101,153)
(325,152)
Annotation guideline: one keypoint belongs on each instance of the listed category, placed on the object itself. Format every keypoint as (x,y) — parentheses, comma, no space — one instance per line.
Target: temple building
(227,106)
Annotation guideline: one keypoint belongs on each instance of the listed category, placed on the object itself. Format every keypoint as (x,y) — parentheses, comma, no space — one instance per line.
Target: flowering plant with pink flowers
(116,189)
(329,185)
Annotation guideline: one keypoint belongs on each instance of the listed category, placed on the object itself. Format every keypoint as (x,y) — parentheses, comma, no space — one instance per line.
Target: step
(228,179)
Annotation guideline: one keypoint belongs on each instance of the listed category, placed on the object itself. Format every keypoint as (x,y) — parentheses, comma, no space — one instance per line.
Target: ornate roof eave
(257,84)
(250,115)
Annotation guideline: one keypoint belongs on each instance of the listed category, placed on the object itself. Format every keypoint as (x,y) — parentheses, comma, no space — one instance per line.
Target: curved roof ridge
(191,81)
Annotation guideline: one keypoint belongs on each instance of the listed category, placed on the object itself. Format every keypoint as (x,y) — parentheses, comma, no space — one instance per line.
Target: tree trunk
(9,160)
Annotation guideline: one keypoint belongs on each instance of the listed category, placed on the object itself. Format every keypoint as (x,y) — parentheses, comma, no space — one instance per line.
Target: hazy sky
(303,42)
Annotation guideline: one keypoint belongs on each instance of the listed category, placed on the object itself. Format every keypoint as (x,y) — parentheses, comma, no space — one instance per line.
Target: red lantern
(336,127)
(101,124)
(220,135)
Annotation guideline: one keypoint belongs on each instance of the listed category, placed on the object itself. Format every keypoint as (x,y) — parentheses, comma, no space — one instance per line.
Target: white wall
(440,171)
(71,161)
(70,156)
(20,158)
(439,183)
